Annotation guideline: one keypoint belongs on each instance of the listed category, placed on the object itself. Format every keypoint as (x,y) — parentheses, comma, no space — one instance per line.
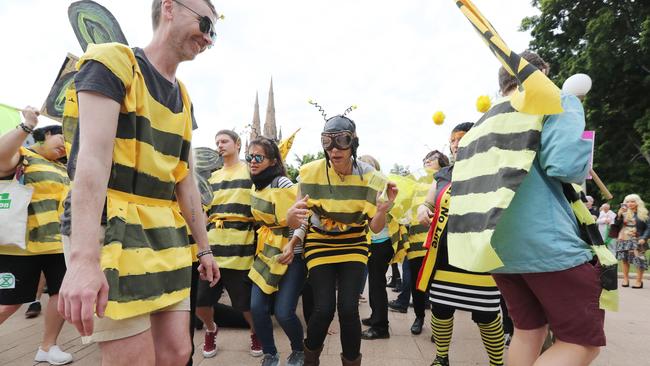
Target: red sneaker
(256,346)
(210,344)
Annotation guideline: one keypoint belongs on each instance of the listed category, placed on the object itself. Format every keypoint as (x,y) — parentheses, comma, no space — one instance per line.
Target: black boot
(346,362)
(416,328)
(312,358)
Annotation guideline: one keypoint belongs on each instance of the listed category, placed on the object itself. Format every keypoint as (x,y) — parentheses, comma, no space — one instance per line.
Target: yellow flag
(9,118)
(536,93)
(285,145)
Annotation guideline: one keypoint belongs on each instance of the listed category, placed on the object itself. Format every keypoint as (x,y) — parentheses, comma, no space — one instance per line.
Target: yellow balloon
(483,103)
(438,118)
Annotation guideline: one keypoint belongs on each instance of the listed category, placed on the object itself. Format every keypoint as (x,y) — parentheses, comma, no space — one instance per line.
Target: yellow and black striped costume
(417,235)
(146,256)
(269,207)
(50,182)
(340,213)
(230,229)
(493,159)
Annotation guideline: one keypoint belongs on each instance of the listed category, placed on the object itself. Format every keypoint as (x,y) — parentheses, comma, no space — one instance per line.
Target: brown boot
(346,362)
(312,358)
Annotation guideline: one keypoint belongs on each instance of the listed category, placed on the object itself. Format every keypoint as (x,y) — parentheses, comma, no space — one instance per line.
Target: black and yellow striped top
(340,213)
(146,255)
(50,182)
(417,236)
(269,207)
(230,228)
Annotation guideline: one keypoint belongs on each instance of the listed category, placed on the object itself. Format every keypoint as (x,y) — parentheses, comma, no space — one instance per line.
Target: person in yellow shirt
(338,204)
(231,235)
(21,268)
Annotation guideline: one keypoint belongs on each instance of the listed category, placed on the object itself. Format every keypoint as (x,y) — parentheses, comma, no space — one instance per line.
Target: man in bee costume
(515,214)
(130,259)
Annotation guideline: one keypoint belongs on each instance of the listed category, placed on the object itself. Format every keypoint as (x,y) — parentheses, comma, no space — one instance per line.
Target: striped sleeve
(284,182)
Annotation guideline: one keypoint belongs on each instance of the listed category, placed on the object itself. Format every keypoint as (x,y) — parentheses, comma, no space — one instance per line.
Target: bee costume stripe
(146,256)
(496,155)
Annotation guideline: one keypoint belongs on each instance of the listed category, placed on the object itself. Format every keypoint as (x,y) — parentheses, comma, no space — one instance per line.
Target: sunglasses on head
(339,140)
(205,24)
(255,157)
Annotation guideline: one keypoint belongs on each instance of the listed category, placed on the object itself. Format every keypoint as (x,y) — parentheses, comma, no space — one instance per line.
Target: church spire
(256,128)
(270,129)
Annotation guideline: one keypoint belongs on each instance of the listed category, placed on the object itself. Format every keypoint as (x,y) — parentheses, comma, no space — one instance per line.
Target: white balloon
(578,85)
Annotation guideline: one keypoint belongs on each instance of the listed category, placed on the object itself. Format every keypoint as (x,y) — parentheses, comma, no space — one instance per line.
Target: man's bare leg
(526,345)
(206,314)
(566,354)
(134,350)
(7,310)
(53,323)
(249,319)
(170,337)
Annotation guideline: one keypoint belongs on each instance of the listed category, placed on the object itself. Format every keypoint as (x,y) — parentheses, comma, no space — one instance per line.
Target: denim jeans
(284,303)
(404,297)
(327,280)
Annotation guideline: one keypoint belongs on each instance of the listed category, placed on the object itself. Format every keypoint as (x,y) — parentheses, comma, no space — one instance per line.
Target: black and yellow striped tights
(491,334)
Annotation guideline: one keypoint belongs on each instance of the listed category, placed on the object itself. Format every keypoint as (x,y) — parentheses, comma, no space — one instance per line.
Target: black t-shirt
(95,77)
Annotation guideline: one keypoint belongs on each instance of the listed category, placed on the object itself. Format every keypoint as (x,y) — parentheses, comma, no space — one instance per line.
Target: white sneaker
(54,357)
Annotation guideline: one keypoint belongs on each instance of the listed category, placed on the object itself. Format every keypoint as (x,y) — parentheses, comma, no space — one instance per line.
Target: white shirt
(603,222)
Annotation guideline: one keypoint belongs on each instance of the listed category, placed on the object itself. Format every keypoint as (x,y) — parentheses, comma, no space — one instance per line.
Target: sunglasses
(255,157)
(341,141)
(205,24)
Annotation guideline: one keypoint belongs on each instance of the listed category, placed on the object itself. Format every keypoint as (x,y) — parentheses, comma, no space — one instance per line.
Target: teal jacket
(539,232)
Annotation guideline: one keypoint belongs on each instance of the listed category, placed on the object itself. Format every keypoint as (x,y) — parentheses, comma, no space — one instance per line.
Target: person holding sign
(20,267)
(453,288)
(338,199)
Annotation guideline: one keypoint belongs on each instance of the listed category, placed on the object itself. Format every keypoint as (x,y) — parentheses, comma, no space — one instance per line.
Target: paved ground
(628,333)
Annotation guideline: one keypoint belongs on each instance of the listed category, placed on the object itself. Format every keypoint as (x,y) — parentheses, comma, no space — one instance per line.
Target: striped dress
(269,207)
(50,182)
(230,228)
(340,213)
(146,256)
(455,287)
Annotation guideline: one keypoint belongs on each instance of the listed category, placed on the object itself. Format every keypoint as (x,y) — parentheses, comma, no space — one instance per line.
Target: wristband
(26,128)
(429,206)
(202,253)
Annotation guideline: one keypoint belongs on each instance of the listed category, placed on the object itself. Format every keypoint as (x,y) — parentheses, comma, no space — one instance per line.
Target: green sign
(5,201)
(7,280)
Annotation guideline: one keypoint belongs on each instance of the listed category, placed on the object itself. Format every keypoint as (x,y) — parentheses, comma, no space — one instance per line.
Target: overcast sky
(399,61)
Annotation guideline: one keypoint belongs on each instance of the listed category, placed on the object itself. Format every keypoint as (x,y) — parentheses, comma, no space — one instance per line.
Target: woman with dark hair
(278,271)
(41,170)
(338,202)
(435,160)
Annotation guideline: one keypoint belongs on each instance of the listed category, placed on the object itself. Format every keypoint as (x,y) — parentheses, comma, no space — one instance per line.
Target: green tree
(610,41)
(292,171)
(402,170)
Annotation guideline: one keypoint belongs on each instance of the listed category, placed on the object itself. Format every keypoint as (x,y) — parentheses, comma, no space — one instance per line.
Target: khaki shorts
(106,329)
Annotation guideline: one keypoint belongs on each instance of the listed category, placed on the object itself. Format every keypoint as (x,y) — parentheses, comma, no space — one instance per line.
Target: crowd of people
(143,259)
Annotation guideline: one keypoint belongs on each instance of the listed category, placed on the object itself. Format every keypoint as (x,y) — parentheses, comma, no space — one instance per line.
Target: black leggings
(447,312)
(326,280)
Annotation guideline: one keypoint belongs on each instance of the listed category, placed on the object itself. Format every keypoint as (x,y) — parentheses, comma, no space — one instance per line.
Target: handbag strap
(19,174)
